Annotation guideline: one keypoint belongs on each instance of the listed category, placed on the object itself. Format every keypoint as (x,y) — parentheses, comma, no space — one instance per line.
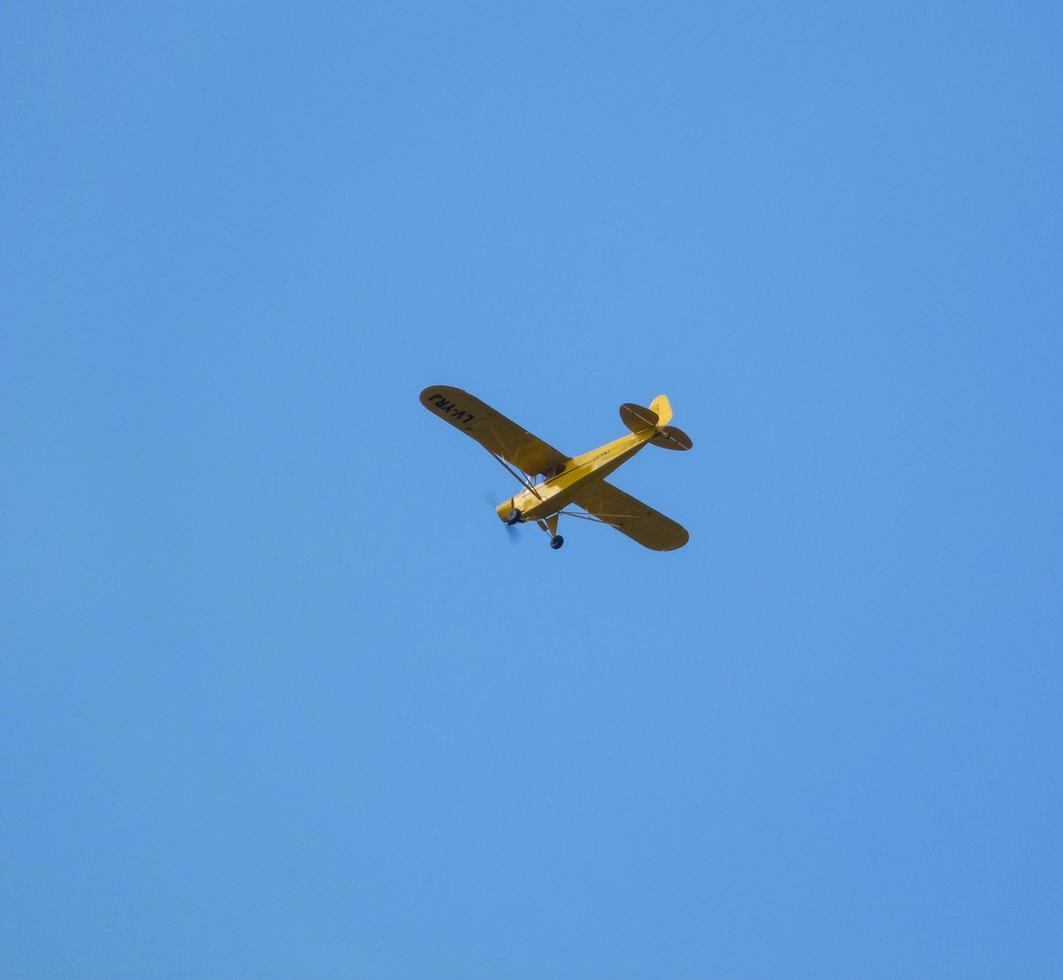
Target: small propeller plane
(565,479)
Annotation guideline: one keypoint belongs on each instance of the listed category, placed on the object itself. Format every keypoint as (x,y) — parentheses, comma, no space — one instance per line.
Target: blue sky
(280,698)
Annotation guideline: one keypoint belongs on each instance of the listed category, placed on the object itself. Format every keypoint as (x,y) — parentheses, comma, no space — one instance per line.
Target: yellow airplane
(569,479)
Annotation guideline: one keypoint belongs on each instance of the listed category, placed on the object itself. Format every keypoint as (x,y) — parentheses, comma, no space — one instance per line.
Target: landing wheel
(513,518)
(556,541)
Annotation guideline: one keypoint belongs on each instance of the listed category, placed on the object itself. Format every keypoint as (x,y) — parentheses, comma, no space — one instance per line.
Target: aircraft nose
(504,510)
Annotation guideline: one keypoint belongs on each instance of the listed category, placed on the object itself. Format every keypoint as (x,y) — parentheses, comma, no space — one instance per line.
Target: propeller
(511,529)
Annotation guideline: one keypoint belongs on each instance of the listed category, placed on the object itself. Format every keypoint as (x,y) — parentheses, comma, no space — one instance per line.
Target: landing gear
(549,525)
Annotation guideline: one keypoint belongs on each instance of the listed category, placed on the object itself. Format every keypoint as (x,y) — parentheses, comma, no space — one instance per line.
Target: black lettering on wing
(447,407)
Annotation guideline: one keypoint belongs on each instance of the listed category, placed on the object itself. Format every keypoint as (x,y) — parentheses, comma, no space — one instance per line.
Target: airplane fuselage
(555,492)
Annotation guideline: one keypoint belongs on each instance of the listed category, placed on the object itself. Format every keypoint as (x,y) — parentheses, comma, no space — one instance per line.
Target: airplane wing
(631,517)
(492,429)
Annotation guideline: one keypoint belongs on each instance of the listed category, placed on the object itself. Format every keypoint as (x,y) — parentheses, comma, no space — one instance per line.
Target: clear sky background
(280,698)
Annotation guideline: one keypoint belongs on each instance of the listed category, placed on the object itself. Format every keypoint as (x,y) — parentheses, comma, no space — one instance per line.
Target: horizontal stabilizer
(672,438)
(637,418)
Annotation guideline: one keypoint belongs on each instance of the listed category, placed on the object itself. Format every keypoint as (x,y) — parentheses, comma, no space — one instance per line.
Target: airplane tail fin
(657,416)
(663,408)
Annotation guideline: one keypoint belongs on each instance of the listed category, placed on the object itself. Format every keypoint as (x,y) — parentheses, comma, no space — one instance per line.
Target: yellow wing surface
(492,430)
(631,517)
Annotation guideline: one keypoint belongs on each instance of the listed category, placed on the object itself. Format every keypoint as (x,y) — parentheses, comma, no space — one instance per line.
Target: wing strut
(520,478)
(594,518)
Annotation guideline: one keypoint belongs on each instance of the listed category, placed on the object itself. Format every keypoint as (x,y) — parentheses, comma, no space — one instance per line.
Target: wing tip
(681,540)
(437,389)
